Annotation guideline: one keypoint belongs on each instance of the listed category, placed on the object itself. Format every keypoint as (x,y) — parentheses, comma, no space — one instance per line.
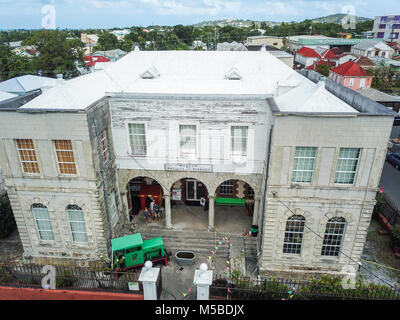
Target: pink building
(351,75)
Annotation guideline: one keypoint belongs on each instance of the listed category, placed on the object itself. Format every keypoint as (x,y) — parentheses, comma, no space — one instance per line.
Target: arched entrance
(189,204)
(138,189)
(236,208)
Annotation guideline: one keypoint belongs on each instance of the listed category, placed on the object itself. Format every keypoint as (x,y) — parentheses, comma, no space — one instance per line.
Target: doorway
(195,190)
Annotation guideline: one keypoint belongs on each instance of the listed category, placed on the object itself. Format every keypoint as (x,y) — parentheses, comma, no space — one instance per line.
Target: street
(390,181)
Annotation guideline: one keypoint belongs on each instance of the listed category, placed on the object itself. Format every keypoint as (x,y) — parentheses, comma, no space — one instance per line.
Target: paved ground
(227,219)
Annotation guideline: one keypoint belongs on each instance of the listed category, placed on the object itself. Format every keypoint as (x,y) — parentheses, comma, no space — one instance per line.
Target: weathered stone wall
(49,187)
(322,199)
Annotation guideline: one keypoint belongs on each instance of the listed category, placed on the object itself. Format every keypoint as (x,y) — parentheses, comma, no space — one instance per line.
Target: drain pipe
(261,227)
(104,184)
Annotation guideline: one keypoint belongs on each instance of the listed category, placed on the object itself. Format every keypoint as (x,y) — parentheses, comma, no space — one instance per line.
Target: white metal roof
(26,83)
(184,72)
(6,95)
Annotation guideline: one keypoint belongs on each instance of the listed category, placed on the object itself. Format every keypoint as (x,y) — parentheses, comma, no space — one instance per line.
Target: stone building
(202,128)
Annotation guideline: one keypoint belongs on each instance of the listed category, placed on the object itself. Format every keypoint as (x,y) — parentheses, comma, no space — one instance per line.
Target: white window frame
(130,140)
(294,247)
(80,222)
(25,161)
(58,162)
(227,184)
(352,172)
(329,249)
(33,208)
(303,170)
(188,155)
(242,153)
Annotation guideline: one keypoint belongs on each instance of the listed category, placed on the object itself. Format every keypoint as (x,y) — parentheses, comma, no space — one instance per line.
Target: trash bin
(254,230)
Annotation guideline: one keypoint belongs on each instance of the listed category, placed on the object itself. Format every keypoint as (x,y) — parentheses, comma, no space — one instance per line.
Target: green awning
(126,242)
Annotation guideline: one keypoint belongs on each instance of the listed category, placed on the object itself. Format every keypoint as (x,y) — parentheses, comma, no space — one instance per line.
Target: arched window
(294,234)
(43,221)
(77,223)
(333,238)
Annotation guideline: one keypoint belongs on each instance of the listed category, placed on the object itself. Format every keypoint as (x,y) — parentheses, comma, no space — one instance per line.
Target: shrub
(396,236)
(7,222)
(5,275)
(65,278)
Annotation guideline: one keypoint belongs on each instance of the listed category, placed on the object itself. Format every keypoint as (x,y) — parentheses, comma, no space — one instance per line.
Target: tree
(57,55)
(382,78)
(12,65)
(107,41)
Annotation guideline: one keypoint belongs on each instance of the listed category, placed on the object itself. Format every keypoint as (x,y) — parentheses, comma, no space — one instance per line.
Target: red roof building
(351,75)
(90,61)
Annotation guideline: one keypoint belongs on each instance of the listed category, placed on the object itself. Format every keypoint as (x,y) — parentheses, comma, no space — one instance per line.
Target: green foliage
(382,79)
(380,203)
(12,65)
(7,222)
(107,41)
(65,279)
(5,275)
(57,54)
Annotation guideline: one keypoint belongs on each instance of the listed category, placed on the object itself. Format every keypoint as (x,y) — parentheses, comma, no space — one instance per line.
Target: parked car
(396,121)
(394,159)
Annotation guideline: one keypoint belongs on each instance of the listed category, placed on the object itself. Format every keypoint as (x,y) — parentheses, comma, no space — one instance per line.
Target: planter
(185,257)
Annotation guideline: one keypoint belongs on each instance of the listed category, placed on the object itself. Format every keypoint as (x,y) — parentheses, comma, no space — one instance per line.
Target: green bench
(230,202)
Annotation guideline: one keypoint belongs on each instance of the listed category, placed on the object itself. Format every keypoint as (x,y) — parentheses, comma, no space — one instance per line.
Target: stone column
(256,210)
(211,212)
(149,277)
(168,222)
(203,280)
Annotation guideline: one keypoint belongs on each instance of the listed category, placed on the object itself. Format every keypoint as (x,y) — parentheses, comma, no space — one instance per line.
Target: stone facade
(50,188)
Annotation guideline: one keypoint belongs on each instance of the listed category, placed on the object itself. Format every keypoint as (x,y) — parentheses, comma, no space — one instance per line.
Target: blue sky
(121,13)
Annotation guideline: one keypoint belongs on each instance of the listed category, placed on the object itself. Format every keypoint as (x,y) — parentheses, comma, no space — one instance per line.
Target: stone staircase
(202,243)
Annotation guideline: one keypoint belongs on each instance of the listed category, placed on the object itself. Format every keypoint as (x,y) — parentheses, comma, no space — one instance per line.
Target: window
(351,83)
(137,135)
(27,155)
(113,207)
(226,188)
(362,83)
(65,156)
(43,222)
(333,237)
(304,160)
(294,234)
(239,140)
(346,168)
(187,141)
(77,223)
(250,191)
(104,146)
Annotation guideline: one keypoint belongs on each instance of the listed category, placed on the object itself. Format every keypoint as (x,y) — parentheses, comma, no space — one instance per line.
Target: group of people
(149,210)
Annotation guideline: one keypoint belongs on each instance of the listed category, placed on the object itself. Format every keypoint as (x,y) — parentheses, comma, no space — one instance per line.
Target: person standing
(152,208)
(146,216)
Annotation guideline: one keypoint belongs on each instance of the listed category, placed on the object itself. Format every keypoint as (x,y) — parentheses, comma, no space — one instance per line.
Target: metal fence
(93,279)
(283,289)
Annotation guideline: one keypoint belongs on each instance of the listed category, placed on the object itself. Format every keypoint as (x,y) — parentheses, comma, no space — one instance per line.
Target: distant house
(365,63)
(23,84)
(392,102)
(372,48)
(306,56)
(120,34)
(90,61)
(199,44)
(351,75)
(276,42)
(343,35)
(112,55)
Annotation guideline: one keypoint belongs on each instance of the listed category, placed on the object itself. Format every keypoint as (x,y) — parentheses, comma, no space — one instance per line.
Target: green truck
(132,251)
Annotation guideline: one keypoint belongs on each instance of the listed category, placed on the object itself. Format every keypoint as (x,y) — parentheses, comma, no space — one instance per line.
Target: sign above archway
(188,167)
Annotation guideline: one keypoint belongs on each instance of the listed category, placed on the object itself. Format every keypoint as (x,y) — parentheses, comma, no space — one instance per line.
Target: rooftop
(26,83)
(193,73)
(351,69)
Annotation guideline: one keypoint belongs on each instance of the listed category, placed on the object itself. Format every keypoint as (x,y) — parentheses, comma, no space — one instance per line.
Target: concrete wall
(276,42)
(322,199)
(50,188)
